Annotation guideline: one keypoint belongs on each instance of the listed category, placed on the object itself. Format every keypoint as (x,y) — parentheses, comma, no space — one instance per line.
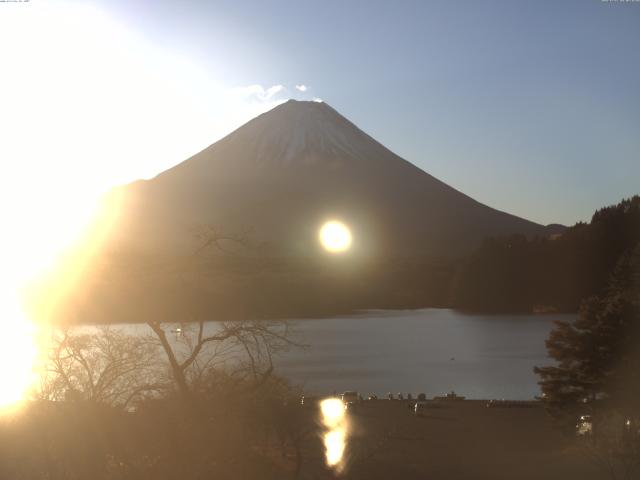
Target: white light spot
(335,236)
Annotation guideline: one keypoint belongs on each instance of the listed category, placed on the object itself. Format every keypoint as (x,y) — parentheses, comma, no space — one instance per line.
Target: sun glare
(335,237)
(51,198)
(18,354)
(87,104)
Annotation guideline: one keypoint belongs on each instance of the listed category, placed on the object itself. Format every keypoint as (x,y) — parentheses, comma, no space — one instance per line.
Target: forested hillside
(556,273)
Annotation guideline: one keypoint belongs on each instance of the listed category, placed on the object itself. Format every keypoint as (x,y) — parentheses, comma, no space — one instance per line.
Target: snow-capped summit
(298,130)
(303,132)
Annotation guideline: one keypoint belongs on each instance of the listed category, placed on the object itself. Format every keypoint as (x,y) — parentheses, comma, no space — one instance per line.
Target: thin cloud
(271,91)
(302,88)
(258,92)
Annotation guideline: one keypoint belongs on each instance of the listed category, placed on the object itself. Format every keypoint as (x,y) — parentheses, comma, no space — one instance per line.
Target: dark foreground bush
(241,431)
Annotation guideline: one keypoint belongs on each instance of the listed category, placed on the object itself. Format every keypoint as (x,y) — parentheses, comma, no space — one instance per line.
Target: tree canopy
(598,354)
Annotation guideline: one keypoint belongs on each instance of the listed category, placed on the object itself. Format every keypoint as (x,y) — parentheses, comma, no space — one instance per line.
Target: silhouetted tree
(107,367)
(248,346)
(598,369)
(178,295)
(596,352)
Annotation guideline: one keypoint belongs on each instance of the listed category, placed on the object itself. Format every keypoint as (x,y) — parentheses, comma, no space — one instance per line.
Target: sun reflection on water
(334,420)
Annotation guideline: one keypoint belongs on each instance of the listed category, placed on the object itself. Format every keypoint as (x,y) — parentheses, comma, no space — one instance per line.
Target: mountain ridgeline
(232,232)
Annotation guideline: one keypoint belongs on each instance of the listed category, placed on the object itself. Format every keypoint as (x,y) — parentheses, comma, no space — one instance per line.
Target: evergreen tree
(598,355)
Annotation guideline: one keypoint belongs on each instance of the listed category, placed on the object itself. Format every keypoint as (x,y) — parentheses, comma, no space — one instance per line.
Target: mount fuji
(275,181)
(284,173)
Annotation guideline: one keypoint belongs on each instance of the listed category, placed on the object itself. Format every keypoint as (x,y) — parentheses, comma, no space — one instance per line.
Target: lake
(430,351)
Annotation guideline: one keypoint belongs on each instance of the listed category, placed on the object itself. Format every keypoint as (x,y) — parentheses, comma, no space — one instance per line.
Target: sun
(335,237)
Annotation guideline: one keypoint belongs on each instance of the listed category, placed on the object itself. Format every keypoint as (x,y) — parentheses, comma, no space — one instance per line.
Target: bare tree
(245,347)
(107,367)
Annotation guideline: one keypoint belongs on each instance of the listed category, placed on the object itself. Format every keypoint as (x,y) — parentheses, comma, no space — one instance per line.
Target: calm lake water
(431,351)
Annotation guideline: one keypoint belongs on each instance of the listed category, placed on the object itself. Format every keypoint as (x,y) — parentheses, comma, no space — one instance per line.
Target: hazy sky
(530,107)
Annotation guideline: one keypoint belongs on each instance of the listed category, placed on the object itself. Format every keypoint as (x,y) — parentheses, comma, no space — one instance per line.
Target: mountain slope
(275,181)
(284,173)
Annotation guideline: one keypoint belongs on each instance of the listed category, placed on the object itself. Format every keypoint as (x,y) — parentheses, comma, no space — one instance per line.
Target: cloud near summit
(258,92)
